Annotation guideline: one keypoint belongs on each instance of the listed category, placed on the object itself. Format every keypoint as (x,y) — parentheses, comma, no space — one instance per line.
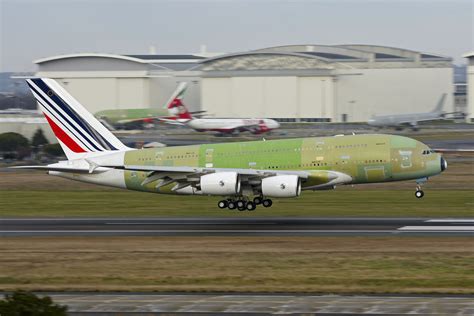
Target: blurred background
(163,73)
(317,67)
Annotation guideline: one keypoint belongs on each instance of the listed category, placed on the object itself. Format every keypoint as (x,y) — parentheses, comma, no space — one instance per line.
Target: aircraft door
(209,158)
(405,159)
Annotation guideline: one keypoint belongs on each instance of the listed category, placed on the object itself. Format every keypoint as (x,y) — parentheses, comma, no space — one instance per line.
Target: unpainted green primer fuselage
(365,158)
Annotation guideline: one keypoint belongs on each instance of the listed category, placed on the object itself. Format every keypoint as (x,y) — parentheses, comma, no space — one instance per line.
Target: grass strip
(356,202)
(250,264)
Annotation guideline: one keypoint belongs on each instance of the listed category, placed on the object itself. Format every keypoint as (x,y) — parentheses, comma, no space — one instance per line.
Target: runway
(258,226)
(213,304)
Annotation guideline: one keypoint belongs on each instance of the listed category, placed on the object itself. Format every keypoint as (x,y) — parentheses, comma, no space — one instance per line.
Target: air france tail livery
(245,174)
(179,115)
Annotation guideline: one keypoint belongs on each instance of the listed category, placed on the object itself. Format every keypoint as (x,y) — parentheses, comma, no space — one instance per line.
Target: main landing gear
(243,204)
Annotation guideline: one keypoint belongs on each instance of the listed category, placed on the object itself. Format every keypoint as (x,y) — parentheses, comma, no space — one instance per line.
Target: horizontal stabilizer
(61,169)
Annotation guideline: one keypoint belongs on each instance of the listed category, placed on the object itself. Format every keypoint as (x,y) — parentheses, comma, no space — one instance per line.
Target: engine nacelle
(220,183)
(281,186)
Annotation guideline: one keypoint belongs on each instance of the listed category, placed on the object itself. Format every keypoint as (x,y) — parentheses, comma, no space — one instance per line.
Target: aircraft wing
(250,178)
(172,121)
(136,120)
(149,119)
(183,177)
(414,121)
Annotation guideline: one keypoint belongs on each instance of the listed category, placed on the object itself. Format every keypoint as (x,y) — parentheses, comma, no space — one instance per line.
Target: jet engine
(281,186)
(220,183)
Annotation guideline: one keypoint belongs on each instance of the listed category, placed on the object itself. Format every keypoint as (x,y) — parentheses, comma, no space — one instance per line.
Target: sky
(33,29)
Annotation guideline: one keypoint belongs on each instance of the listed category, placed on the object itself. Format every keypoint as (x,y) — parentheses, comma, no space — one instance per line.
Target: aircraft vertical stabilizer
(78,132)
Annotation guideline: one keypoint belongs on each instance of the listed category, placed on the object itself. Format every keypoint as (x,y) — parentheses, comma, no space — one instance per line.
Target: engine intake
(281,186)
(220,183)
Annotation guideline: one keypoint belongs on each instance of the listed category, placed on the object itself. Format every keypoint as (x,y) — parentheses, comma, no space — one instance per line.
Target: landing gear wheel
(257,200)
(222,204)
(419,194)
(243,208)
(231,205)
(240,204)
(251,206)
(267,203)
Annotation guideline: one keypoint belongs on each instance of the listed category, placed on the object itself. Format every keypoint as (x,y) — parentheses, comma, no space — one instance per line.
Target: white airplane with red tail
(179,115)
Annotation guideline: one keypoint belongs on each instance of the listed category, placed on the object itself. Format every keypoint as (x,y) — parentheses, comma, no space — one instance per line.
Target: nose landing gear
(419,192)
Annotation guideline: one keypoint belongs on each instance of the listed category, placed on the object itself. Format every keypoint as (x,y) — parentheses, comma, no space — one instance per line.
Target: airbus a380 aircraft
(180,115)
(235,171)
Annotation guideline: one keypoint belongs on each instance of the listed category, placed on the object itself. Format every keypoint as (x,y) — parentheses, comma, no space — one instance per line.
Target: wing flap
(203,170)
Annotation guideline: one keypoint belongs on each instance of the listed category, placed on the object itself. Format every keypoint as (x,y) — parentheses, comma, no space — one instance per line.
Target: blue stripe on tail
(58,101)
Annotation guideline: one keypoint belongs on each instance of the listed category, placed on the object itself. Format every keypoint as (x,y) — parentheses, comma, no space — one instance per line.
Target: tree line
(15,146)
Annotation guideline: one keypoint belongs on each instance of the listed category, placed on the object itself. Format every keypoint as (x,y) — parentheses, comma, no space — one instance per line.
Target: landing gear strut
(419,192)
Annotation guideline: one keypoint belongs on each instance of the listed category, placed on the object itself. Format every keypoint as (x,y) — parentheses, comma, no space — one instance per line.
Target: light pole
(352,102)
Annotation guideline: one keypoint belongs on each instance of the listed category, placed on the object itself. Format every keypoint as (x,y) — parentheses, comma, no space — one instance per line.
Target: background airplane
(236,170)
(132,118)
(129,118)
(179,115)
(411,119)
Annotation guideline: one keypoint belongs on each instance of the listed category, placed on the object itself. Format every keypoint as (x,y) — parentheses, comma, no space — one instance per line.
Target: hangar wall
(113,93)
(307,82)
(358,94)
(318,82)
(470,86)
(109,81)
(275,97)
(470,94)
(368,92)
(99,94)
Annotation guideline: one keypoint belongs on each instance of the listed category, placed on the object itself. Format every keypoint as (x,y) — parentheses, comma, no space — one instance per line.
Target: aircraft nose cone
(273,124)
(444,164)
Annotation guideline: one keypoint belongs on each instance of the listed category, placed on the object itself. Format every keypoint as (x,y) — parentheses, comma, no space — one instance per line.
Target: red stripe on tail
(178,109)
(63,137)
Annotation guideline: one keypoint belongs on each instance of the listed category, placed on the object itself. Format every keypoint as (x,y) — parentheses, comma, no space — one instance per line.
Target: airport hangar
(470,86)
(290,83)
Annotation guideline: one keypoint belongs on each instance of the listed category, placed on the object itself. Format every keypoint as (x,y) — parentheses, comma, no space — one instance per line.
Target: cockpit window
(428,151)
